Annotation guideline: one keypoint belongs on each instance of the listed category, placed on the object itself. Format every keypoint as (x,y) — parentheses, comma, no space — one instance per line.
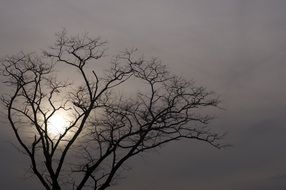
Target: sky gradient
(236,48)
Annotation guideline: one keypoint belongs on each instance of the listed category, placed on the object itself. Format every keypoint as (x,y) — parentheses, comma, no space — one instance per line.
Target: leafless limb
(105,129)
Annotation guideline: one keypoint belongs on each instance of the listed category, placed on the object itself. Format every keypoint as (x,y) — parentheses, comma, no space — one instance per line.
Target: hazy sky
(234,47)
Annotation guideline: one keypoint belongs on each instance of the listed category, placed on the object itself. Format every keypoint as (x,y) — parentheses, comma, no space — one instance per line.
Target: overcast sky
(234,47)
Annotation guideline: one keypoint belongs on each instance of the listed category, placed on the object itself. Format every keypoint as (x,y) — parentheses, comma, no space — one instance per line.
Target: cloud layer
(234,47)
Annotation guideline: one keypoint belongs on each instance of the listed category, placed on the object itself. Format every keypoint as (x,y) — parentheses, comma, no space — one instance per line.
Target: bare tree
(104,127)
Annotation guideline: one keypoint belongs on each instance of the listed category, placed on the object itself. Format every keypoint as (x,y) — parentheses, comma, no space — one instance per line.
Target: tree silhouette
(104,125)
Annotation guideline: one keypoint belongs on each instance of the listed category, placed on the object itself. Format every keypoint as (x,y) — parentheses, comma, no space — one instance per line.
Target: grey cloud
(234,47)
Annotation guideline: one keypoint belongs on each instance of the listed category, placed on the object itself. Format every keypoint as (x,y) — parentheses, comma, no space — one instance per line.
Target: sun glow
(57,124)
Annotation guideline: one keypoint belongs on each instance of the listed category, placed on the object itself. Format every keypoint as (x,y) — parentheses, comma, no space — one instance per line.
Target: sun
(57,124)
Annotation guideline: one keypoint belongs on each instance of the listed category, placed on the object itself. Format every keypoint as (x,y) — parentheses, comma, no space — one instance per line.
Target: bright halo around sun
(57,124)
